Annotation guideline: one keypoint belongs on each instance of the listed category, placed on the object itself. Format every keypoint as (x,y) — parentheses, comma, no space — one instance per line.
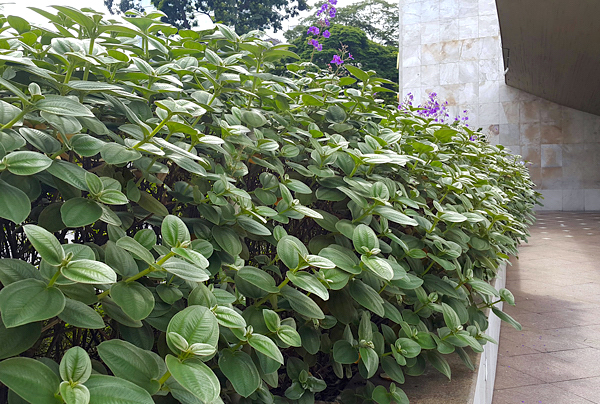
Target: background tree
(244,15)
(368,55)
(377,18)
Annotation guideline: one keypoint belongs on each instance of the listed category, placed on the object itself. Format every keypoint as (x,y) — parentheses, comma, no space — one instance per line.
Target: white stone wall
(453,48)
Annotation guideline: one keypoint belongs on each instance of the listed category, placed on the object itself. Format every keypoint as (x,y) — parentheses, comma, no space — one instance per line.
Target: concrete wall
(453,48)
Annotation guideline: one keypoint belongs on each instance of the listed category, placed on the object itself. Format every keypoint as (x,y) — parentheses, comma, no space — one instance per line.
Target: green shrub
(181,225)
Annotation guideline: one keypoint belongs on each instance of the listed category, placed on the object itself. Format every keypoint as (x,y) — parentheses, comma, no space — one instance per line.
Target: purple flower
(316,44)
(326,21)
(337,60)
(326,34)
(350,56)
(313,30)
(333,2)
(473,138)
(332,12)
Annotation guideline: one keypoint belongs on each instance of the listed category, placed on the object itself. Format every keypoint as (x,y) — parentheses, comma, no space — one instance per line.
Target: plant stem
(15,119)
(164,377)
(54,278)
(154,132)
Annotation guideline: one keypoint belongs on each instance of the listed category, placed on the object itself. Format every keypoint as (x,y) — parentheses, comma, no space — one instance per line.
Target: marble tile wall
(453,48)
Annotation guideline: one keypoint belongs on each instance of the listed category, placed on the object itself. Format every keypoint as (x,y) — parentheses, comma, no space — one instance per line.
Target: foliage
(181,225)
(366,53)
(244,15)
(377,18)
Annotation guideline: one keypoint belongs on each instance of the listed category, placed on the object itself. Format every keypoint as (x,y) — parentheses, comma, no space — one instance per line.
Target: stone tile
(431,54)
(509,94)
(586,388)
(540,365)
(469,50)
(416,93)
(507,377)
(488,113)
(411,35)
(509,112)
(468,72)
(468,27)
(449,9)
(530,111)
(551,133)
(488,25)
(489,92)
(448,28)
(592,199)
(551,155)
(430,11)
(591,130)
(430,75)
(489,71)
(550,112)
(411,56)
(469,8)
(449,73)
(573,199)
(552,177)
(580,363)
(411,13)
(430,32)
(535,394)
(487,7)
(530,134)
(450,51)
(468,94)
(490,48)
(411,77)
(552,199)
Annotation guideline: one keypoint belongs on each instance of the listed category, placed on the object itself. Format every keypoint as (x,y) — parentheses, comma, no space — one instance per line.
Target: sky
(20,8)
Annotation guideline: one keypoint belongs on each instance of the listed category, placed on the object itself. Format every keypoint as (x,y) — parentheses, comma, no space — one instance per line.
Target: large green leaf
(135,299)
(26,162)
(174,232)
(131,363)
(364,239)
(31,380)
(45,244)
(28,301)
(75,366)
(18,339)
(133,246)
(195,377)
(74,393)
(241,371)
(89,271)
(79,212)
(196,324)
(301,303)
(40,140)
(58,105)
(266,346)
(227,239)
(308,282)
(185,270)
(111,390)
(15,203)
(81,315)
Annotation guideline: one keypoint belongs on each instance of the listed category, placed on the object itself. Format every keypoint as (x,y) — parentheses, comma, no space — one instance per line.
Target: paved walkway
(555,359)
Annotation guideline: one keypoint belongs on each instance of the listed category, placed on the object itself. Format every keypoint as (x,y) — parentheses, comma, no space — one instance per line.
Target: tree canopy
(244,15)
(368,54)
(377,18)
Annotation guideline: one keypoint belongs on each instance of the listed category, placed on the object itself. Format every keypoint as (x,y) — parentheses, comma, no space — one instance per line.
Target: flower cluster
(326,12)
(433,108)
